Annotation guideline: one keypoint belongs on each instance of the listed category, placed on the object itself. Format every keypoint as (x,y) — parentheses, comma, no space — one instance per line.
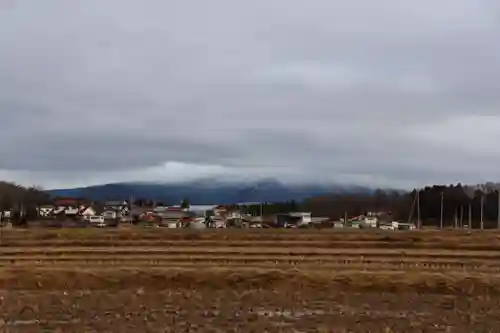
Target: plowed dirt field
(156,280)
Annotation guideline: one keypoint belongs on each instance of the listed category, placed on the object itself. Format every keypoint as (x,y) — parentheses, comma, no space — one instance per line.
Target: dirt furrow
(249,250)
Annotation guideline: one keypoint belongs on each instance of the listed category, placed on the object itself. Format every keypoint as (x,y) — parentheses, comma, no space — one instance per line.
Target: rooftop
(201,207)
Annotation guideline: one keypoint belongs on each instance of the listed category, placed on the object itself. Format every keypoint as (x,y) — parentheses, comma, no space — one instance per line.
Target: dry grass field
(157,280)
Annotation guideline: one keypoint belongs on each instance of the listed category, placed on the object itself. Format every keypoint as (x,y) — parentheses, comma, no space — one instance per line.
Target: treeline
(354,204)
(460,204)
(457,202)
(272,208)
(21,201)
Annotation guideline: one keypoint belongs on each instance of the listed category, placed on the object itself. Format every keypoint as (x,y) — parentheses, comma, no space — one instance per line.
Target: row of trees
(353,204)
(22,201)
(459,205)
(12,195)
(272,208)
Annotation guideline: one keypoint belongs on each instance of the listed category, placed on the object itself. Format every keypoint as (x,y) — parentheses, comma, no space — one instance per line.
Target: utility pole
(2,221)
(130,208)
(461,217)
(498,216)
(261,212)
(470,215)
(419,223)
(2,213)
(441,219)
(482,210)
(412,209)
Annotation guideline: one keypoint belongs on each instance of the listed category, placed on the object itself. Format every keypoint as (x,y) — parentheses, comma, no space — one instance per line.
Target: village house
(6,215)
(68,202)
(87,212)
(234,214)
(46,211)
(402,226)
(138,213)
(219,210)
(321,222)
(227,212)
(69,207)
(368,220)
(252,222)
(172,217)
(144,216)
(293,220)
(217,222)
(115,210)
(338,224)
(149,219)
(201,210)
(71,211)
(58,210)
(198,223)
(225,216)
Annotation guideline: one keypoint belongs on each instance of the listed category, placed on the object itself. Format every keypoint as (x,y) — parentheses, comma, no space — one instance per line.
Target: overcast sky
(384,93)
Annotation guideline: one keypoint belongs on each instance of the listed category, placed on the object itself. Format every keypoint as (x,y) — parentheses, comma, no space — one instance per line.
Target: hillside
(207,191)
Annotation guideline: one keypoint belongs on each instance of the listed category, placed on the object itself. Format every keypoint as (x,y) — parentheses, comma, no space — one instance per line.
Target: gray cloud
(395,93)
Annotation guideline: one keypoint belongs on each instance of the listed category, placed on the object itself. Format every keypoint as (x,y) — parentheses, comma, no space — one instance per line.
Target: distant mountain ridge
(208,191)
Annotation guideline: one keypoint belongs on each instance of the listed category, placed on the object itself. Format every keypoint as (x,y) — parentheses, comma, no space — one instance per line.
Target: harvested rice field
(157,280)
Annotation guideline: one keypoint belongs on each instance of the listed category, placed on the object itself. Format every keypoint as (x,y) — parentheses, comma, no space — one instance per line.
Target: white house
(46,211)
(116,209)
(234,215)
(6,215)
(87,212)
(293,220)
(370,221)
(97,220)
(220,224)
(71,211)
(201,210)
(197,225)
(111,214)
(58,210)
(339,224)
(171,224)
(387,227)
(403,226)
(363,221)
(303,217)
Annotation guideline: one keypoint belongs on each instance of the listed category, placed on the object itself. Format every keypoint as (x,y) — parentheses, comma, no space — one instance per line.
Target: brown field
(156,280)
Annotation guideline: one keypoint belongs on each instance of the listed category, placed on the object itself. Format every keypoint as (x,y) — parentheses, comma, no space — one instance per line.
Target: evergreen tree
(185,203)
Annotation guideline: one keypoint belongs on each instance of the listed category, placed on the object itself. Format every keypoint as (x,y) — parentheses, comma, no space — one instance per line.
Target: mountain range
(208,191)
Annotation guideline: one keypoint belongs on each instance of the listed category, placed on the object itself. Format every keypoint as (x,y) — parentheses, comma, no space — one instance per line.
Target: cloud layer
(388,93)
